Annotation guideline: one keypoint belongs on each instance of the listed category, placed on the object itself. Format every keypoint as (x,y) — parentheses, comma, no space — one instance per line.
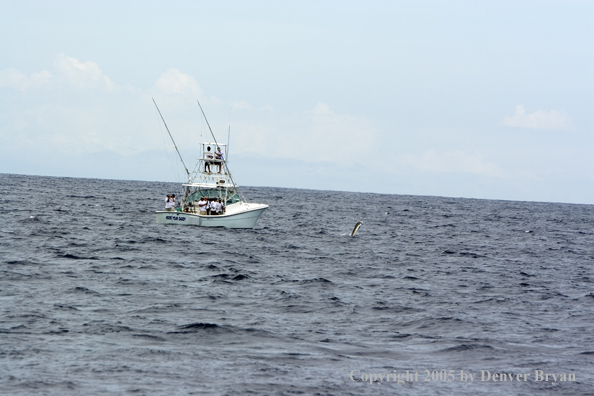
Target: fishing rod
(174,145)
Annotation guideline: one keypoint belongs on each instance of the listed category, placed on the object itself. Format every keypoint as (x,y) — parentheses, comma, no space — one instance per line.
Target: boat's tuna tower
(210,178)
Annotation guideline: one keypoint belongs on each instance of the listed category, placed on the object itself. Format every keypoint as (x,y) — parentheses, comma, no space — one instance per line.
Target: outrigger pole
(174,145)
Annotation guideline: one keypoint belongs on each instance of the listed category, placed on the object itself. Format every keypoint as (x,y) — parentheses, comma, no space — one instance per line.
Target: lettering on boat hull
(175,218)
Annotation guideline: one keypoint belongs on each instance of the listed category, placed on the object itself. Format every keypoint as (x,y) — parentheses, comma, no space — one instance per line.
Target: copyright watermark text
(458,375)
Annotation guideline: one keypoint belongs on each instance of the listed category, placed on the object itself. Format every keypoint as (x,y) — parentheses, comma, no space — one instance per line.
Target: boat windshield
(229,196)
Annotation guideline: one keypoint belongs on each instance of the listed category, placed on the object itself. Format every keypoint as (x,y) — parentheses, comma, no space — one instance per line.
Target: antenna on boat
(227,149)
(228,136)
(174,145)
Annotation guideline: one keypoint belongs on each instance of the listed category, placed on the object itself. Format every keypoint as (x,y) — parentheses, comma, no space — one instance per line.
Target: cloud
(12,78)
(553,120)
(82,75)
(175,82)
(453,162)
(75,110)
(69,72)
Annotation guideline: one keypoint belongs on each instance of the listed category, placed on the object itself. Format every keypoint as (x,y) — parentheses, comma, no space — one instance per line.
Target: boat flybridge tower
(211,178)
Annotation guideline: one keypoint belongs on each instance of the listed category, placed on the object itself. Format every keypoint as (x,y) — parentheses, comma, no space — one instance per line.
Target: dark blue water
(95,298)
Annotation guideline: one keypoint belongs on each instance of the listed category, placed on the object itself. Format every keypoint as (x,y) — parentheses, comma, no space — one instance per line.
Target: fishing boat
(210,180)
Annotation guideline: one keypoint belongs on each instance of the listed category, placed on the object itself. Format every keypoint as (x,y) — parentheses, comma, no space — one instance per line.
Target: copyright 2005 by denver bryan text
(401,377)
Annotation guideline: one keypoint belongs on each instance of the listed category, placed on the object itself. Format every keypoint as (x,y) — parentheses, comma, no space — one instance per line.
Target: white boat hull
(239,215)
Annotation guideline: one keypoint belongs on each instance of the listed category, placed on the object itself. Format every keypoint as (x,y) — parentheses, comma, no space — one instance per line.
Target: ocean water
(97,299)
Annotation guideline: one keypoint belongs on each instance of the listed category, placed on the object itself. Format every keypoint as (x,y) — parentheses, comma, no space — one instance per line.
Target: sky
(474,99)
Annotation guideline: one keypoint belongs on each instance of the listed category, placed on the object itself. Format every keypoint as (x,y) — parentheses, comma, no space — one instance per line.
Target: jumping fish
(356,228)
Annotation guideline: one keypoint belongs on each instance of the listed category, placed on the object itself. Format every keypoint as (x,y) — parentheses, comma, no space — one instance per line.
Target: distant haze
(458,98)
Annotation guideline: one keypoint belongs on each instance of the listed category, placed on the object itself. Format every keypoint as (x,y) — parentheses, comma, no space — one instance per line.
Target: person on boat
(207,155)
(220,158)
(208,206)
(202,204)
(215,208)
(221,207)
(170,203)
